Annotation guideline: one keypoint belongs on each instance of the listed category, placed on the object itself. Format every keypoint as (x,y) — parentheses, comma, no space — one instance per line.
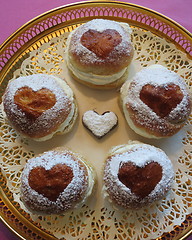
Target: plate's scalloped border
(68,14)
(63,16)
(7,215)
(19,228)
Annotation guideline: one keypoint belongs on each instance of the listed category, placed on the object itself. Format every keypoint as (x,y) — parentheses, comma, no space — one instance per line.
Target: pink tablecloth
(16,13)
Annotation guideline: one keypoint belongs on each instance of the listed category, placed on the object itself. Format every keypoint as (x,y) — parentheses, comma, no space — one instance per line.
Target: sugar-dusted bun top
(37,104)
(130,175)
(161,99)
(55,181)
(101,43)
(136,174)
(158,100)
(34,103)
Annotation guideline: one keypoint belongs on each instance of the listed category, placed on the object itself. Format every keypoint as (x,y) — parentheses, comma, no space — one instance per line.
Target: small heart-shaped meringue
(99,125)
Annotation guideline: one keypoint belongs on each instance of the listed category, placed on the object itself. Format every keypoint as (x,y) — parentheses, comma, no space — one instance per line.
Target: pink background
(16,13)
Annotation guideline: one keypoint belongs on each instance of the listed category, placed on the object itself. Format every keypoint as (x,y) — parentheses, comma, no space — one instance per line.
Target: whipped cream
(91,183)
(61,129)
(67,199)
(140,131)
(140,155)
(91,77)
(149,124)
(58,86)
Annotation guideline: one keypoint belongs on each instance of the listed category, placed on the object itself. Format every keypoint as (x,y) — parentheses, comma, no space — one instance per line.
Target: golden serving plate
(51,24)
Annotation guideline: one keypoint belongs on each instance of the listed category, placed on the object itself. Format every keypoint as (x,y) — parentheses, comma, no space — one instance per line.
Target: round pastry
(99,52)
(156,102)
(56,181)
(39,106)
(137,174)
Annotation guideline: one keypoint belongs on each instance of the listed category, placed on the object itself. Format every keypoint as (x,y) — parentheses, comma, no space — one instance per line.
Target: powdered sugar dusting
(70,196)
(140,155)
(87,56)
(49,119)
(101,25)
(156,75)
(99,125)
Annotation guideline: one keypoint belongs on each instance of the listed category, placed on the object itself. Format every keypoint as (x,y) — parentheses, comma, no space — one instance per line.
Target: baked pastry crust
(137,174)
(39,106)
(115,84)
(156,102)
(101,59)
(67,182)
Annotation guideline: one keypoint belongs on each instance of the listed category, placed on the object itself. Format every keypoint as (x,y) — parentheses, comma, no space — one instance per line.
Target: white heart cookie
(98,124)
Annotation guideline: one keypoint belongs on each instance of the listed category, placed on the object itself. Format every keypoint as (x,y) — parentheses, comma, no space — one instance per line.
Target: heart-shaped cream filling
(101,43)
(140,180)
(161,99)
(98,124)
(34,103)
(50,183)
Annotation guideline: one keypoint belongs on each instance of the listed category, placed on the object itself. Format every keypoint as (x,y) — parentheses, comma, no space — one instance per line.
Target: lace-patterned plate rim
(20,52)
(136,15)
(14,219)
